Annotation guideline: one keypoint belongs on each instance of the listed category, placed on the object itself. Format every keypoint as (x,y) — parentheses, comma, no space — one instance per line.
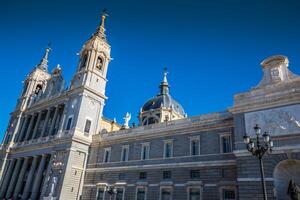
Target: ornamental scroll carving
(277,121)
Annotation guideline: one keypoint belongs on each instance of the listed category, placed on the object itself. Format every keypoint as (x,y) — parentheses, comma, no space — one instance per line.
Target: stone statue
(293,190)
(53,186)
(126,120)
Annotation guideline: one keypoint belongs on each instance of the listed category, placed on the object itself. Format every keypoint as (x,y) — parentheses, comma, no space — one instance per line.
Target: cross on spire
(44,61)
(103,17)
(164,85)
(101,29)
(165,75)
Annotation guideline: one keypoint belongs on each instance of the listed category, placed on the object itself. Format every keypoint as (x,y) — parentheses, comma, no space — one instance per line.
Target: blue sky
(212,48)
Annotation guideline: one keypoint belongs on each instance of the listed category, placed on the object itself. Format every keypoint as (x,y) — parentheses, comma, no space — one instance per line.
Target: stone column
(48,172)
(21,177)
(43,134)
(62,121)
(38,178)
(29,129)
(37,125)
(18,129)
(14,178)
(21,135)
(28,184)
(7,177)
(53,120)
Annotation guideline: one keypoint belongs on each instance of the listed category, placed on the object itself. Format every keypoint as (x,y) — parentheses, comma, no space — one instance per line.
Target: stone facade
(45,149)
(58,145)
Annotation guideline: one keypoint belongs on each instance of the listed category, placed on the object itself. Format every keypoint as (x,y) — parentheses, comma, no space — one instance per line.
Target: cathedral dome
(162,107)
(163,100)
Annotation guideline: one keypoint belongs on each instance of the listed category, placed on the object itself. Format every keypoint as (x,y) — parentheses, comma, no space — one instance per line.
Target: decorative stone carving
(276,70)
(56,83)
(277,121)
(92,104)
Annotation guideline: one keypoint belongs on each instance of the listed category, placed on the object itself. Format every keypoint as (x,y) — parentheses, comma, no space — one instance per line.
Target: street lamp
(111,190)
(258,150)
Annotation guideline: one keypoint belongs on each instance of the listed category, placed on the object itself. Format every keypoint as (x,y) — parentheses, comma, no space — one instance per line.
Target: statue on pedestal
(126,121)
(52,189)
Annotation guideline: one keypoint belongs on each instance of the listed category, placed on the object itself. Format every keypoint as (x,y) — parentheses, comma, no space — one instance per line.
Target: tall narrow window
(168,149)
(167,174)
(120,194)
(99,64)
(145,151)
(195,174)
(228,194)
(194,194)
(69,123)
(87,126)
(141,193)
(165,194)
(83,62)
(143,175)
(100,194)
(122,176)
(106,157)
(25,88)
(226,144)
(195,146)
(125,153)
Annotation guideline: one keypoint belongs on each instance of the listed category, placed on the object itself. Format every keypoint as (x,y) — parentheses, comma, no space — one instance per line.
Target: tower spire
(165,75)
(44,61)
(101,29)
(164,85)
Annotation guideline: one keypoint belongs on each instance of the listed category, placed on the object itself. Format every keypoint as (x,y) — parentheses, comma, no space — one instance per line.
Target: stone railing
(42,140)
(170,125)
(42,98)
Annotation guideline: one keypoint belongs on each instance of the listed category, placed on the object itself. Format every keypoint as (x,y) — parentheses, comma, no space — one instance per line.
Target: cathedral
(58,144)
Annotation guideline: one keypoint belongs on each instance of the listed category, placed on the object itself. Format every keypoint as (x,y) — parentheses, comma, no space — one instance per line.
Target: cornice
(267,97)
(47,103)
(282,101)
(167,165)
(81,89)
(41,145)
(216,156)
(275,150)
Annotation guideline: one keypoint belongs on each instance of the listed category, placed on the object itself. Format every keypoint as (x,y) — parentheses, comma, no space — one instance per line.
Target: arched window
(99,64)
(103,131)
(151,120)
(38,89)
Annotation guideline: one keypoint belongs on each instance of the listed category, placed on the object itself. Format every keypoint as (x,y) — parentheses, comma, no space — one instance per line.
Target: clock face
(275,73)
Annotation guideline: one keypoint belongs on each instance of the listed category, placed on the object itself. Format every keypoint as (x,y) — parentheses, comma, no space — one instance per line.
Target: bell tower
(35,82)
(94,59)
(87,90)
(84,108)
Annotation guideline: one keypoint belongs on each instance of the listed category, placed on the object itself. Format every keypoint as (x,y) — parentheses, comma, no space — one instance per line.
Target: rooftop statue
(126,120)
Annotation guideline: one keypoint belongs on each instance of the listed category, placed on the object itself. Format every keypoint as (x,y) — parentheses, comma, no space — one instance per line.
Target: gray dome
(164,100)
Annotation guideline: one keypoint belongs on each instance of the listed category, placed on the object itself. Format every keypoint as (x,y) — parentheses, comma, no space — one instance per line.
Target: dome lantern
(162,107)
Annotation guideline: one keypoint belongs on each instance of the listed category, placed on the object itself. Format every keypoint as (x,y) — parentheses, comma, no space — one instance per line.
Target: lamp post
(111,190)
(258,149)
